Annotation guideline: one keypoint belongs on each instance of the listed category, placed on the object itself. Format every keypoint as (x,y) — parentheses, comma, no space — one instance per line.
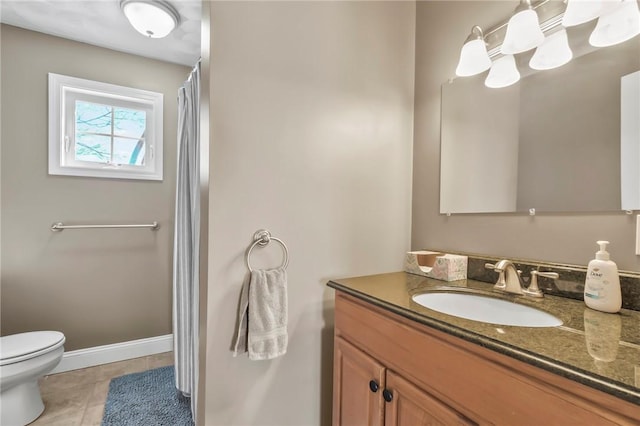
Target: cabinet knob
(387,395)
(374,386)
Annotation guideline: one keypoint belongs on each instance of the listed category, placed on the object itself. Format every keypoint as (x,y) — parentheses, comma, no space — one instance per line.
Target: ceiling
(102,23)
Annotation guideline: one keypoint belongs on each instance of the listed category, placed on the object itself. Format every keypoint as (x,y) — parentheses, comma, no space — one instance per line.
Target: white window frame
(63,93)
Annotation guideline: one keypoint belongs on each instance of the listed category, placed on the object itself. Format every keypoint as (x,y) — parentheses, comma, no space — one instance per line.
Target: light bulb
(503,73)
(618,25)
(523,30)
(474,58)
(581,11)
(553,52)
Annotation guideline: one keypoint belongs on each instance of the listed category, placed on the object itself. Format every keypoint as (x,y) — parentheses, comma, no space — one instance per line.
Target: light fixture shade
(553,52)
(581,11)
(618,25)
(503,73)
(151,18)
(523,33)
(474,58)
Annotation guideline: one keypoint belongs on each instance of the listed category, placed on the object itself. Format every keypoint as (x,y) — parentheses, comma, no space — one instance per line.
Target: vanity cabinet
(390,370)
(411,405)
(367,393)
(359,381)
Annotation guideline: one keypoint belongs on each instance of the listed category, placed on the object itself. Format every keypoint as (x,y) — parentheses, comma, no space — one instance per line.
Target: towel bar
(261,238)
(57,227)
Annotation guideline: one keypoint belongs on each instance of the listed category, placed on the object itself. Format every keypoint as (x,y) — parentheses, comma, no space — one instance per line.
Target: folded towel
(262,315)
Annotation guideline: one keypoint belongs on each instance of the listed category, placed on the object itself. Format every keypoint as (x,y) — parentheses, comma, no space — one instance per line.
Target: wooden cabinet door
(358,382)
(411,406)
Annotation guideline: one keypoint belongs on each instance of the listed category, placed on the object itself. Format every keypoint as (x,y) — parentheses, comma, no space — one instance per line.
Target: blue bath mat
(147,398)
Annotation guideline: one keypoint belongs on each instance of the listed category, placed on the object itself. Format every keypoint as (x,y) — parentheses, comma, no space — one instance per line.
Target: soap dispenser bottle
(602,287)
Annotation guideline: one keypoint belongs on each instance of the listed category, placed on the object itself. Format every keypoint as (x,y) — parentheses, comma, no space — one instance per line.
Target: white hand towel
(262,315)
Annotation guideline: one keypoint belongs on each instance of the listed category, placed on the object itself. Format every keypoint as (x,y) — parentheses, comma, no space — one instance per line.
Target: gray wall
(311,115)
(96,286)
(441,27)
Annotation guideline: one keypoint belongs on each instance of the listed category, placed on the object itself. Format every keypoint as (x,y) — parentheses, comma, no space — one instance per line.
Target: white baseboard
(98,355)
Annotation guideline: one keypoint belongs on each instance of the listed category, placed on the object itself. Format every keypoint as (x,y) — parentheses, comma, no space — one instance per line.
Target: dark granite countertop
(597,349)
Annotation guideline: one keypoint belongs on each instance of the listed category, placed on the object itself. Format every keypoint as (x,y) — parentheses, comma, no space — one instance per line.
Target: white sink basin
(486,309)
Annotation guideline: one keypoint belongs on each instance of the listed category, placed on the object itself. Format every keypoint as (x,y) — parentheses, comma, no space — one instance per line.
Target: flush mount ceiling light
(474,58)
(503,73)
(151,18)
(553,52)
(523,30)
(617,25)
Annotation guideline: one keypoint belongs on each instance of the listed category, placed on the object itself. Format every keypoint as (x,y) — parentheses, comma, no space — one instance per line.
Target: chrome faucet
(510,279)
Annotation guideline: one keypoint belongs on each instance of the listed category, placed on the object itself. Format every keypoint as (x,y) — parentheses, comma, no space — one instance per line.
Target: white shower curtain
(187,240)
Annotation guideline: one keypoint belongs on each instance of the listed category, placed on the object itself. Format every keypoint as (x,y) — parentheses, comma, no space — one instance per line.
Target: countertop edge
(575,374)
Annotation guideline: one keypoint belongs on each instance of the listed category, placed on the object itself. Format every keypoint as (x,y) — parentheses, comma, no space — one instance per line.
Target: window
(103,130)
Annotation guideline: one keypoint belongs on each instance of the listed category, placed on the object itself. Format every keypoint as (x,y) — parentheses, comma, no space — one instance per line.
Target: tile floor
(77,398)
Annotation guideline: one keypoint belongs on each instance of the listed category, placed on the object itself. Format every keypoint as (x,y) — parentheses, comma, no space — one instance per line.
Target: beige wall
(441,28)
(311,116)
(96,286)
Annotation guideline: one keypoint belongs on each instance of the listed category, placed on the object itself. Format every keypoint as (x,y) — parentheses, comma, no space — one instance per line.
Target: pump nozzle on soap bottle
(602,254)
(602,286)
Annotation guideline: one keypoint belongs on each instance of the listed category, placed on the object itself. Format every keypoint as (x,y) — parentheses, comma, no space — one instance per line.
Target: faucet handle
(553,275)
(533,290)
(501,284)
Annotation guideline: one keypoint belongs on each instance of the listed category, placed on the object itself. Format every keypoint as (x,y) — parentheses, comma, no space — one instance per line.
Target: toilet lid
(19,345)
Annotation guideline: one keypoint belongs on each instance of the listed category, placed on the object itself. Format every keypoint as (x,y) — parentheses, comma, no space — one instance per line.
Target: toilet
(24,358)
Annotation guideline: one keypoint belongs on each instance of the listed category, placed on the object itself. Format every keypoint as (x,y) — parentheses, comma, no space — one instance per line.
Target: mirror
(562,140)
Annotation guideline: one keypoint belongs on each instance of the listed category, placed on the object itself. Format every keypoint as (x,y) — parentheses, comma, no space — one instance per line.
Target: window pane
(94,148)
(94,118)
(129,122)
(128,151)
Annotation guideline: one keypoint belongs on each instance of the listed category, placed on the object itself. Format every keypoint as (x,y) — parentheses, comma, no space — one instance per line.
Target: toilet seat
(23,346)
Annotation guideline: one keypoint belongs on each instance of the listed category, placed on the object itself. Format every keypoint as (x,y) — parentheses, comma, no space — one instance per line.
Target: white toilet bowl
(24,358)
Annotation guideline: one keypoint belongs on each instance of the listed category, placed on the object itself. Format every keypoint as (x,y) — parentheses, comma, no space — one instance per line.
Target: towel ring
(261,238)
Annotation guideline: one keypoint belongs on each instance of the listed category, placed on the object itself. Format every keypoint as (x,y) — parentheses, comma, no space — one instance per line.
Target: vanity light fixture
(617,25)
(151,18)
(553,52)
(618,21)
(503,73)
(474,58)
(523,30)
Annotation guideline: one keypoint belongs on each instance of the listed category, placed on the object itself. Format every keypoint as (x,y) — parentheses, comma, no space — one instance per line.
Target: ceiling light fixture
(151,18)
(474,58)
(523,30)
